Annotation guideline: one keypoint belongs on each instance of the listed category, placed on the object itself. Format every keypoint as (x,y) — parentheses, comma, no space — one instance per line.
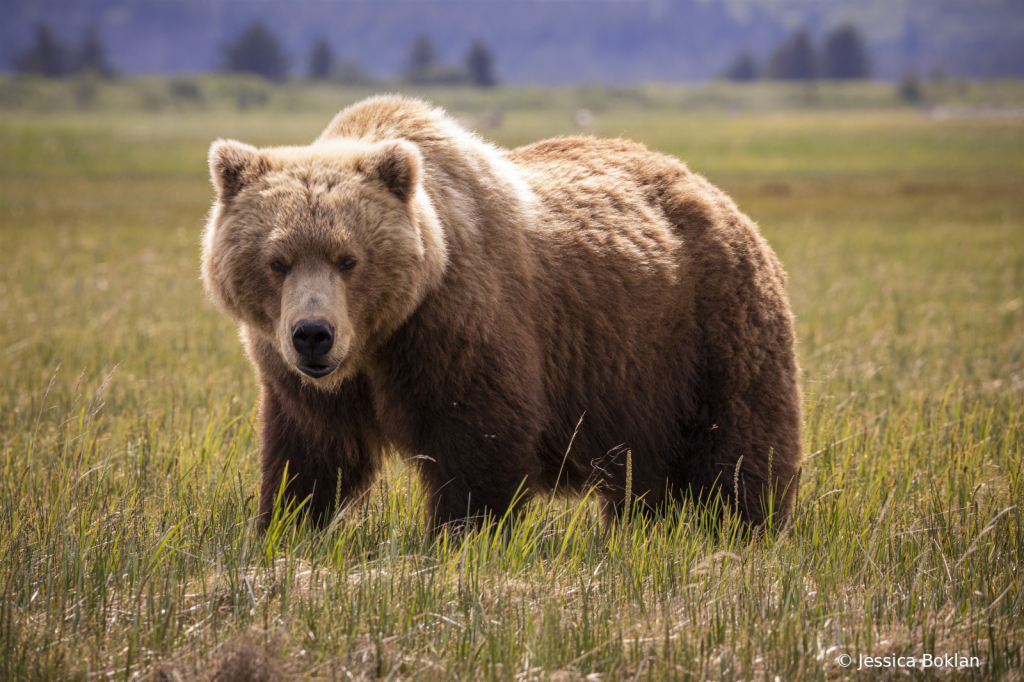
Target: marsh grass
(129,442)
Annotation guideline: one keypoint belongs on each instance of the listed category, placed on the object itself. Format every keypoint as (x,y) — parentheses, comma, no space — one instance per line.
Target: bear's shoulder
(388,117)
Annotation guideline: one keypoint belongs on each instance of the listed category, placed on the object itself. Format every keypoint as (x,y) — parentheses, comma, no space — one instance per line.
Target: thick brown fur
(496,298)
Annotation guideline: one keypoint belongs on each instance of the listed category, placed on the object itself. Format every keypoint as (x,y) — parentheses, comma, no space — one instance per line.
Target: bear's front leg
(314,438)
(479,461)
(454,496)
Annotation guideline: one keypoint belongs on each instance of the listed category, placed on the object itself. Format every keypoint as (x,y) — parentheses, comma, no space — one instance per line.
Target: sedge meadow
(129,446)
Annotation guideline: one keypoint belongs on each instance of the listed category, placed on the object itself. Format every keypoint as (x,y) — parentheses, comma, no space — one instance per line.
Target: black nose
(312,338)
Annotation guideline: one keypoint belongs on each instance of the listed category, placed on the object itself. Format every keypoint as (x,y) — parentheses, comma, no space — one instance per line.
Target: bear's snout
(313,339)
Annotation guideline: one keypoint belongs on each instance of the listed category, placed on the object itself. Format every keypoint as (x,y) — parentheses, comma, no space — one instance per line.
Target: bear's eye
(347,263)
(278,266)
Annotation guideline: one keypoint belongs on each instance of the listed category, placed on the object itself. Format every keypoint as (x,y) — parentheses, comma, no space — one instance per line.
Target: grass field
(127,547)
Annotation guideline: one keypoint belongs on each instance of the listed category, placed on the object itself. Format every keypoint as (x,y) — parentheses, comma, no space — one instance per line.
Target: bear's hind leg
(738,474)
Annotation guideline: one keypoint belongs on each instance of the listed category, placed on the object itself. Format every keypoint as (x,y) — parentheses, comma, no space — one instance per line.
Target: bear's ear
(397,164)
(233,165)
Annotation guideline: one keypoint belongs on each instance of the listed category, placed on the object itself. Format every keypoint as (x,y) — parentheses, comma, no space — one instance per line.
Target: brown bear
(404,286)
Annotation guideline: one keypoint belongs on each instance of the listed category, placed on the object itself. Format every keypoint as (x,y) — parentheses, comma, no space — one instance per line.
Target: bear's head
(322,251)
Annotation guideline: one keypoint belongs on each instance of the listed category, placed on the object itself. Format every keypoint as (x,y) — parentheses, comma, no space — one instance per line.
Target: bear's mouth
(317,371)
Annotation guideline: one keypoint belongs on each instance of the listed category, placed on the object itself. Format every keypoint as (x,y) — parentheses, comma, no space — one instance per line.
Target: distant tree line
(258,51)
(424,67)
(49,56)
(842,56)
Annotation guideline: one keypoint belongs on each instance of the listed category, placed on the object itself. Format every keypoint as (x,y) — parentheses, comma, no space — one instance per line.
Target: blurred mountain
(536,41)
